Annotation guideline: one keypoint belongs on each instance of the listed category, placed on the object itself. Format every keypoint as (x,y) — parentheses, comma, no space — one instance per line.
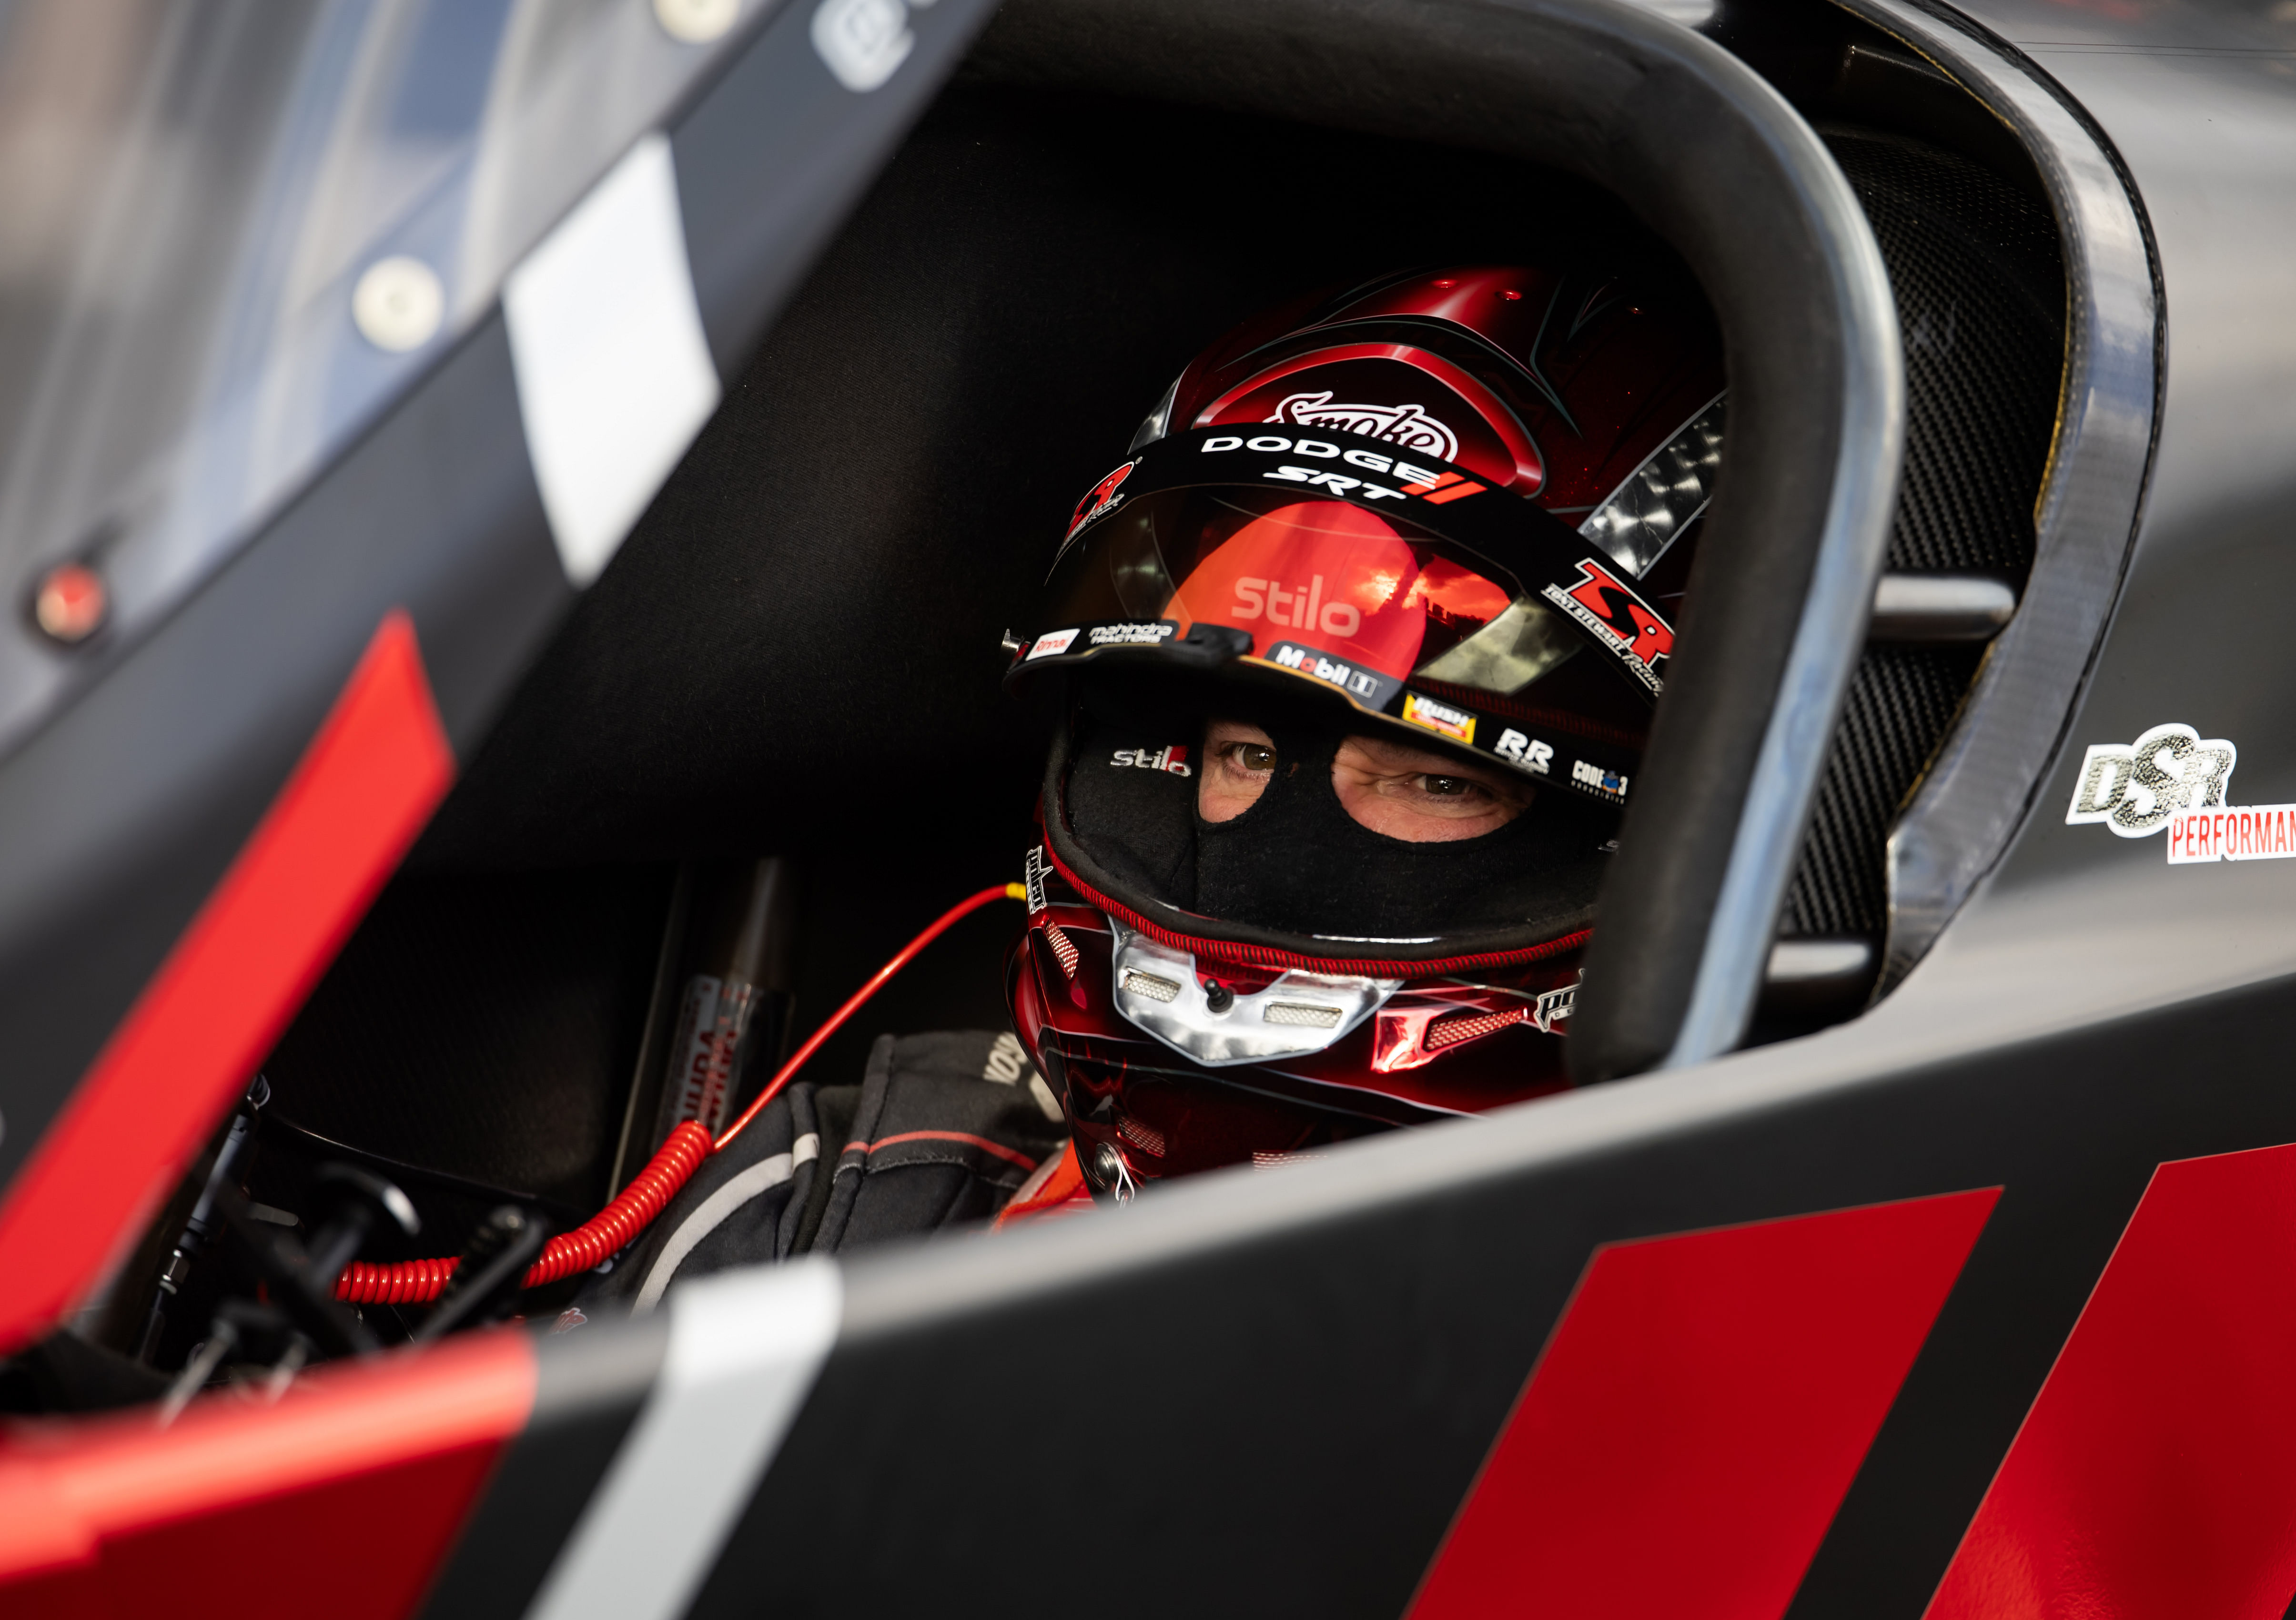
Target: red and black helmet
(1453,508)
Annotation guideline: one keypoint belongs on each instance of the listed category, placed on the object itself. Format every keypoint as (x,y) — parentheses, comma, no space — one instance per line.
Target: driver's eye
(1252,756)
(1446,788)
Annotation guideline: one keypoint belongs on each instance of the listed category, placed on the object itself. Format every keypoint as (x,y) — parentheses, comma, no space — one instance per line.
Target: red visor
(1317,585)
(1339,577)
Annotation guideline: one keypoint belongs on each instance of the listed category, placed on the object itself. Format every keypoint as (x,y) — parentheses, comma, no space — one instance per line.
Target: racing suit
(945,1129)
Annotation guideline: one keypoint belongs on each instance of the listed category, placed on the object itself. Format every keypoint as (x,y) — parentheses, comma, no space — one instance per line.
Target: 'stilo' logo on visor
(1604,604)
(1301,608)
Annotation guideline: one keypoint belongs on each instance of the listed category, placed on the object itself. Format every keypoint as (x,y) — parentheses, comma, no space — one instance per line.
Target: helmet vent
(1297,1016)
(1456,1027)
(1148,984)
(1143,1136)
(1064,950)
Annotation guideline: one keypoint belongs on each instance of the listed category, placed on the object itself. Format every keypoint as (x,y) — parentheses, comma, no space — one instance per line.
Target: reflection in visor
(1349,584)
(1332,575)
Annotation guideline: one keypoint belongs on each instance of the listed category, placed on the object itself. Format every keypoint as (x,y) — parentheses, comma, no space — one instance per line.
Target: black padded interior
(801,640)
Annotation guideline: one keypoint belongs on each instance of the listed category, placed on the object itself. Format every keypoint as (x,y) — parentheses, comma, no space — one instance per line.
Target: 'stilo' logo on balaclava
(1407,426)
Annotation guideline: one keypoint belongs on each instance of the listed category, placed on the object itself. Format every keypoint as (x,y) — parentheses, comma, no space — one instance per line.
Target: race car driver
(1348,665)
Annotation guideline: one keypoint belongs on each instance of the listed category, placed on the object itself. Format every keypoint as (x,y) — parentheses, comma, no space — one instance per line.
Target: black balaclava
(1296,862)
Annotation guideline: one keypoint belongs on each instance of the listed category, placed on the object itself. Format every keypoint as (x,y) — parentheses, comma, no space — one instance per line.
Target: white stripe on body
(614,374)
(744,1348)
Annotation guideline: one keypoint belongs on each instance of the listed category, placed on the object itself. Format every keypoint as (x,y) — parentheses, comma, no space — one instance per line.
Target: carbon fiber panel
(1900,702)
(1979,289)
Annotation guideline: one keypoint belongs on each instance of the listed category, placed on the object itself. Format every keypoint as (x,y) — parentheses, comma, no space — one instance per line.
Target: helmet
(1451,510)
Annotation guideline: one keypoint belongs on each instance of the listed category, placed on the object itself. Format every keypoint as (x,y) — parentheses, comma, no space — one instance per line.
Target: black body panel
(1248,1394)
(116,822)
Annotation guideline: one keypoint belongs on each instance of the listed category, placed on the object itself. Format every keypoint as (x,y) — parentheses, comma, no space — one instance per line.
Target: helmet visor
(1423,595)
(1320,586)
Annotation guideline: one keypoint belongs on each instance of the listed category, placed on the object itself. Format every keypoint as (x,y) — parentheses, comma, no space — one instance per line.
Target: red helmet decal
(1103,497)
(1608,606)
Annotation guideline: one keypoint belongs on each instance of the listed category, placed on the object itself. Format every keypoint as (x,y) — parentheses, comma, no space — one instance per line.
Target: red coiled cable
(611,1230)
(417,1282)
(409,1282)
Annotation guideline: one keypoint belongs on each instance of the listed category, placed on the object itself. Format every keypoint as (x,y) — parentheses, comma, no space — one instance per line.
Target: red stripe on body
(1695,1422)
(368,781)
(344,1498)
(2156,1472)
